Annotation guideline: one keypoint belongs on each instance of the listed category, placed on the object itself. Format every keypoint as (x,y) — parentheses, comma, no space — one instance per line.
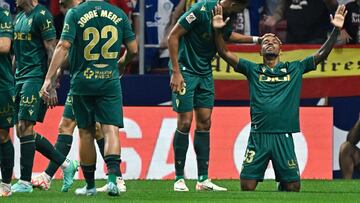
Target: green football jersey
(30,30)
(197,47)
(96,30)
(275,94)
(6,30)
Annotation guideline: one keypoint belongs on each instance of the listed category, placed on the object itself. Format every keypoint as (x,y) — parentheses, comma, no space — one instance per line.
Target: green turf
(161,191)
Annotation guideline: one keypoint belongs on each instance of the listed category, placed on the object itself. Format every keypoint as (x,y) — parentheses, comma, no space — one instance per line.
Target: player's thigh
(284,158)
(204,94)
(109,110)
(7,104)
(31,107)
(68,108)
(183,101)
(84,110)
(257,158)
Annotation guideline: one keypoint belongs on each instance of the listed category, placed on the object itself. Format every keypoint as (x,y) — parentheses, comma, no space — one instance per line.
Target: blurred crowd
(294,21)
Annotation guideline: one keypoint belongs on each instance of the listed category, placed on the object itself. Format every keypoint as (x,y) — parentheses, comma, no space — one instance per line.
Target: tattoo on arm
(50,47)
(326,48)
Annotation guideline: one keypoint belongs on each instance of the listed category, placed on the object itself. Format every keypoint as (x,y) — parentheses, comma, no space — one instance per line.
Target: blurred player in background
(93,33)
(7,96)
(34,43)
(192,47)
(274,102)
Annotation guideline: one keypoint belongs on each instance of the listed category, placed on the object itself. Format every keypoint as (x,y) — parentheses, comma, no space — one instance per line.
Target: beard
(271,55)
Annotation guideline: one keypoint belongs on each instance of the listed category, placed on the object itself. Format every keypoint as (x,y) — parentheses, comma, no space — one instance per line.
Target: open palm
(339,17)
(218,21)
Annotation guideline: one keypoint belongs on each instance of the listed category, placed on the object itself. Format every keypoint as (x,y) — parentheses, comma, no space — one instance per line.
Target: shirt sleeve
(45,25)
(129,35)
(190,18)
(308,64)
(6,25)
(244,66)
(69,30)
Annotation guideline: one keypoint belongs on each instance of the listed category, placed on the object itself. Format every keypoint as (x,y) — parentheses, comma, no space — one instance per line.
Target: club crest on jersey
(283,70)
(190,18)
(6,13)
(42,12)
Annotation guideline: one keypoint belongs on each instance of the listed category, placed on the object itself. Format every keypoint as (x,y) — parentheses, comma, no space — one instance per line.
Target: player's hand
(339,17)
(48,93)
(217,20)
(53,100)
(176,82)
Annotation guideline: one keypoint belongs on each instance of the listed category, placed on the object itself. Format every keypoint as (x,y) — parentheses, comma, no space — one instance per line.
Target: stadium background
(340,90)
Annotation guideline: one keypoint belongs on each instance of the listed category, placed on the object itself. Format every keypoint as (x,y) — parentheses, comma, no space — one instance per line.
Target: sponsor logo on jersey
(88,73)
(190,18)
(265,78)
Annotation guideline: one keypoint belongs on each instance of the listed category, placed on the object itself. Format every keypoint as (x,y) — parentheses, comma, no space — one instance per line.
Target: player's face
(270,46)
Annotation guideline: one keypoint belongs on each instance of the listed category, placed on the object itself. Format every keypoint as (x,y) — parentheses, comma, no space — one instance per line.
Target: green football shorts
(7,101)
(68,108)
(277,147)
(28,104)
(198,92)
(103,109)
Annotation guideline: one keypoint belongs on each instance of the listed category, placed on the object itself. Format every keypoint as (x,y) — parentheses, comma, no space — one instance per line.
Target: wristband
(255,39)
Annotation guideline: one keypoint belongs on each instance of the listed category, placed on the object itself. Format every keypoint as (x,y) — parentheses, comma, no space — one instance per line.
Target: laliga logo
(241,143)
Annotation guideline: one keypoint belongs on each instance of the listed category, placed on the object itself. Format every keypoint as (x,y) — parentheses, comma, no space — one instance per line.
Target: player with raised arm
(192,47)
(34,43)
(274,101)
(94,32)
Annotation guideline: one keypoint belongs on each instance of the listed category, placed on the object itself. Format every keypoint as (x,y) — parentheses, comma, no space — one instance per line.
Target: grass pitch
(161,191)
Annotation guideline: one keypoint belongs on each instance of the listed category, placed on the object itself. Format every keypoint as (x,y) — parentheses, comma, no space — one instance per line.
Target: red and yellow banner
(339,75)
(147,137)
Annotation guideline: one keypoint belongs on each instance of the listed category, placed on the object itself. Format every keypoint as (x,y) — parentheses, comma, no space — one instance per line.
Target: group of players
(91,42)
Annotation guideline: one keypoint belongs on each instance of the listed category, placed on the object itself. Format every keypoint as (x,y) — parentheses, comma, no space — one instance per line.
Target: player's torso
(6,28)
(30,53)
(275,97)
(197,47)
(96,48)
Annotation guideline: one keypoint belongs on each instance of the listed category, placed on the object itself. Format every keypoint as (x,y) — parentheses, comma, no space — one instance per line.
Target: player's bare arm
(130,52)
(50,47)
(5,45)
(223,51)
(338,22)
(177,80)
(60,53)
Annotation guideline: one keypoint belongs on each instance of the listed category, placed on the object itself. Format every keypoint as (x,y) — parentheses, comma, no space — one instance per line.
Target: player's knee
(346,149)
(292,187)
(24,128)
(66,126)
(4,135)
(184,125)
(203,125)
(247,185)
